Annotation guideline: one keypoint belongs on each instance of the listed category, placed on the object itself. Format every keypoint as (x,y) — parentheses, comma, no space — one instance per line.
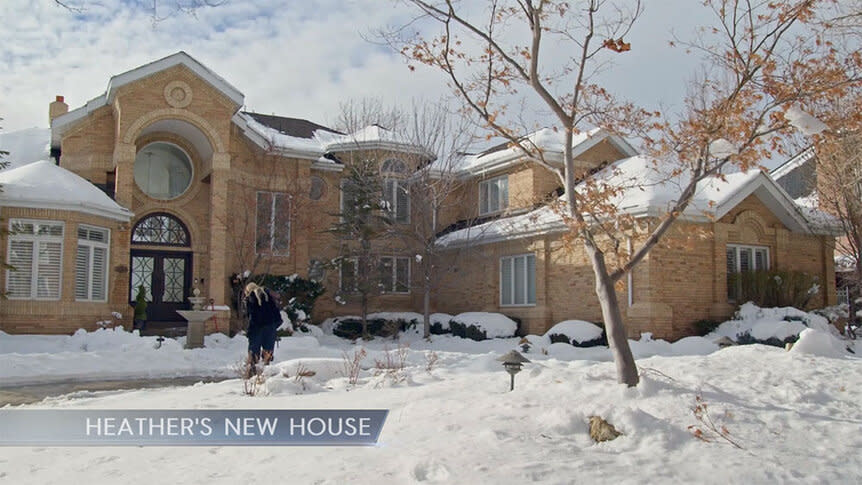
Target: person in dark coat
(264,318)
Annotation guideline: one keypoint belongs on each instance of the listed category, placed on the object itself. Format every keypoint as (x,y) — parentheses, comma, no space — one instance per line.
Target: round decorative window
(163,171)
(318,188)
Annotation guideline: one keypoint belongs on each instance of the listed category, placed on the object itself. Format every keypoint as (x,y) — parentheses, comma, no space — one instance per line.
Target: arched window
(161,229)
(393,166)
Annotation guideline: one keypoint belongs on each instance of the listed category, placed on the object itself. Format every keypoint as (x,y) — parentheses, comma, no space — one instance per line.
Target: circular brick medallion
(178,94)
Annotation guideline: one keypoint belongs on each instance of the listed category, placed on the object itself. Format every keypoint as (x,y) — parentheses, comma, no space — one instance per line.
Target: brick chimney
(57,108)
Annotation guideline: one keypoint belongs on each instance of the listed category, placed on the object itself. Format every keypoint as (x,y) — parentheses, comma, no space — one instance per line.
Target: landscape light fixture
(512,361)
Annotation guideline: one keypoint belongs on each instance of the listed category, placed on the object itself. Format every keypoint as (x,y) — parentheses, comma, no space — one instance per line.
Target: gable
(774,204)
(232,97)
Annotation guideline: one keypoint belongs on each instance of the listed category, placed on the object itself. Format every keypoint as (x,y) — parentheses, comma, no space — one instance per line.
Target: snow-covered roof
(647,192)
(547,141)
(26,146)
(61,123)
(270,138)
(44,185)
(373,137)
(316,141)
(822,222)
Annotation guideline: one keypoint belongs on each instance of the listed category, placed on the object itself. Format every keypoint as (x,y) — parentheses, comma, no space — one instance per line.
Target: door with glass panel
(165,274)
(166,277)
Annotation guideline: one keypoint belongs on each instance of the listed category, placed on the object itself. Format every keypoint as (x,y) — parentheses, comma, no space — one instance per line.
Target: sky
(290,58)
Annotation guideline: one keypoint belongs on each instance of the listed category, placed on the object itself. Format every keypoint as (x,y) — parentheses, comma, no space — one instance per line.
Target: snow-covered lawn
(795,415)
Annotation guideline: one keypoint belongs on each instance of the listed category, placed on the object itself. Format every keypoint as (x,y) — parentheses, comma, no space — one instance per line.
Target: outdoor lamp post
(512,361)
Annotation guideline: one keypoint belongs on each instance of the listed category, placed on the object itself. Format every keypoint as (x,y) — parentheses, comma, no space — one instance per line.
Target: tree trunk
(627,371)
(364,310)
(426,310)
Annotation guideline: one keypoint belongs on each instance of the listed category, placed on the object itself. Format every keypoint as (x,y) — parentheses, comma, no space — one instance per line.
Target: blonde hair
(258,292)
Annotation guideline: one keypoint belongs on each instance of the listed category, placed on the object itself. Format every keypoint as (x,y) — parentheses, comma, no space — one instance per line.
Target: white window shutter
(49,276)
(100,274)
(82,272)
(19,282)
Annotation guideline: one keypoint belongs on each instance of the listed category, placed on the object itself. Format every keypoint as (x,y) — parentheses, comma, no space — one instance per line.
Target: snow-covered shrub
(578,333)
(704,327)
(382,324)
(440,323)
(815,342)
(770,326)
(480,325)
(297,295)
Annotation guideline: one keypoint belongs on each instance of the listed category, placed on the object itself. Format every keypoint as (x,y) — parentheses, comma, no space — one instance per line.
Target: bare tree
(264,217)
(161,9)
(433,189)
(761,59)
(441,136)
(839,181)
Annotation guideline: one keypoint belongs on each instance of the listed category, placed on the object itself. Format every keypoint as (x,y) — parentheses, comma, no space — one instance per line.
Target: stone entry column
(124,162)
(218,284)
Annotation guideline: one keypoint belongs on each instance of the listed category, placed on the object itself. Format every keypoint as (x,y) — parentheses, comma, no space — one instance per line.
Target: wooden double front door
(166,277)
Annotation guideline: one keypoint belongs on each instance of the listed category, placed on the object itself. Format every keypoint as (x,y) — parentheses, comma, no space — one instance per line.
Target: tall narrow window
(740,260)
(273,224)
(394,274)
(397,197)
(348,198)
(35,253)
(91,264)
(518,280)
(493,195)
(396,192)
(347,275)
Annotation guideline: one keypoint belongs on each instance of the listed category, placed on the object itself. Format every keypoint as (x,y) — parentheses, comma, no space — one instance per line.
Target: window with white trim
(394,274)
(347,270)
(35,253)
(518,280)
(494,195)
(743,259)
(273,224)
(397,197)
(348,198)
(91,264)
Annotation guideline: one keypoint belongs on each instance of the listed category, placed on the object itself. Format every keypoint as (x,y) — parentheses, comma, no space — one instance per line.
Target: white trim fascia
(382,145)
(327,166)
(793,163)
(122,216)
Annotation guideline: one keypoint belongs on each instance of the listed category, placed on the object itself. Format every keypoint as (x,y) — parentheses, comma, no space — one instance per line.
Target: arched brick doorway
(161,261)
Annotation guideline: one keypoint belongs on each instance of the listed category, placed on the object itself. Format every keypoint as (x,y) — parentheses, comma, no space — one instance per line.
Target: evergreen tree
(363,220)
(3,231)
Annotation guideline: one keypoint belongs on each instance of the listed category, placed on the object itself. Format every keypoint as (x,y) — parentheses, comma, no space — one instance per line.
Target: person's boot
(251,365)
(267,357)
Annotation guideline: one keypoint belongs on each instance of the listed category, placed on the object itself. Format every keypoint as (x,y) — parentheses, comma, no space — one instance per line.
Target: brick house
(202,190)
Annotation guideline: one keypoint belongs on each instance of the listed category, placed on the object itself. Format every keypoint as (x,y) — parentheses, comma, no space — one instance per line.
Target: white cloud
(290,58)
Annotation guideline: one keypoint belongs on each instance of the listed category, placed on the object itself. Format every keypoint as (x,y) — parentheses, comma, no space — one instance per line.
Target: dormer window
(493,195)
